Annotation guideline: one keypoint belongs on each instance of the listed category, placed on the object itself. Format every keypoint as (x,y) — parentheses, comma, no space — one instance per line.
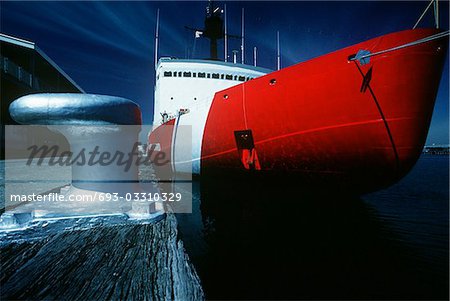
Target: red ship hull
(330,120)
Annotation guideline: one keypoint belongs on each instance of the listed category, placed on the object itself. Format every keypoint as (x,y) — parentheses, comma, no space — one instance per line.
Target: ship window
(168,73)
(179,74)
(222,76)
(215,75)
(248,78)
(194,74)
(187,74)
(241,78)
(201,74)
(171,98)
(174,74)
(195,98)
(208,75)
(229,76)
(235,77)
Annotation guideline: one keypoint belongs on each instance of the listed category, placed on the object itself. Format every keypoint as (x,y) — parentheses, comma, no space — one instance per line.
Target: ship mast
(225,46)
(242,39)
(156,39)
(213,28)
(278,51)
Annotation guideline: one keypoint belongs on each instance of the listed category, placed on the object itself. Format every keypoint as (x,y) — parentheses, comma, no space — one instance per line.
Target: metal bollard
(107,124)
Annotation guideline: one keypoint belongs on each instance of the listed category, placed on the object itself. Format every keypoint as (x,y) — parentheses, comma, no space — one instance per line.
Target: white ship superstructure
(185,86)
(185,89)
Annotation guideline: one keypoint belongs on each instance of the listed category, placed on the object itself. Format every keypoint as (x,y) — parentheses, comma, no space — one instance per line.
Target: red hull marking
(283,109)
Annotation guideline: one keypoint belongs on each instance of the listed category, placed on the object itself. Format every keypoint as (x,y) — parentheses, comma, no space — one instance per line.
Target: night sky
(107,47)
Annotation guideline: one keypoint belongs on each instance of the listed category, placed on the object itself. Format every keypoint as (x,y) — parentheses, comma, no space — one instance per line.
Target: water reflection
(270,241)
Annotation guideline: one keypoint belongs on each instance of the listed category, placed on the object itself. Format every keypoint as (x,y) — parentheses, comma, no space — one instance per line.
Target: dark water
(258,241)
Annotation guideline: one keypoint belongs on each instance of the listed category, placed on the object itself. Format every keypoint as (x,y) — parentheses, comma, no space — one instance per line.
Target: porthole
(273,81)
(225,96)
